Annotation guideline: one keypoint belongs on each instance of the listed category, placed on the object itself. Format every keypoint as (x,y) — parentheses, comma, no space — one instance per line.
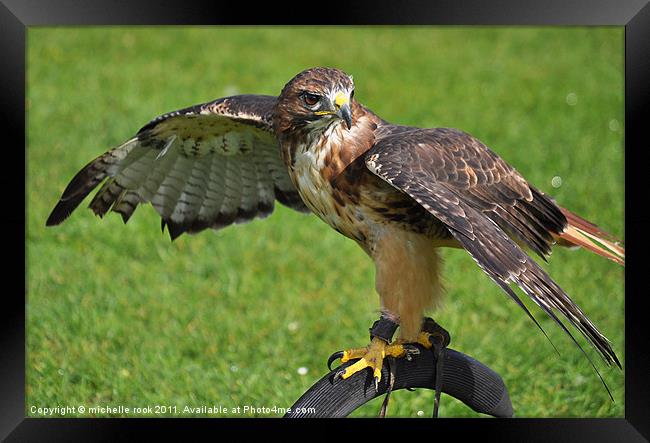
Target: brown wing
(473,192)
(206,166)
(486,182)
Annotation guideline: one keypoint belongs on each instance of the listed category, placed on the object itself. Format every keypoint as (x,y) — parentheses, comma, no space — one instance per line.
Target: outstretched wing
(481,200)
(206,166)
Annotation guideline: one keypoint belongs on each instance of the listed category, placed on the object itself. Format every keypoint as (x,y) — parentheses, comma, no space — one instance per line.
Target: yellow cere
(341,99)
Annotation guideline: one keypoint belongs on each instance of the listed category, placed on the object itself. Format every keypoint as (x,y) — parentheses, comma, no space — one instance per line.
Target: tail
(580,232)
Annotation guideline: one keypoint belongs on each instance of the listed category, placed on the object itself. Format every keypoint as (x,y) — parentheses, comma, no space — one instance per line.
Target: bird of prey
(399,192)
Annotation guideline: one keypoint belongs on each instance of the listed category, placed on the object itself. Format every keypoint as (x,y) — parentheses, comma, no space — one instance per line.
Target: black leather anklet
(429,325)
(384,328)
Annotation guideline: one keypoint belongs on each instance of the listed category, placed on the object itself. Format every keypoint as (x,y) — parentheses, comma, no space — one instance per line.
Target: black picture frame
(17,15)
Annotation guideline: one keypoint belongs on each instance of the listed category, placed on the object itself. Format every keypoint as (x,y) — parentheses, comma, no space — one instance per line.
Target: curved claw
(333,357)
(339,375)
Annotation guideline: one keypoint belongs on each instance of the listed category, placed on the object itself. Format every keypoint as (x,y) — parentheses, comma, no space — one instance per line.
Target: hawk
(399,192)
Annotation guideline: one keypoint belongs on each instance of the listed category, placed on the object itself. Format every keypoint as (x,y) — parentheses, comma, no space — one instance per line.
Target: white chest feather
(318,192)
(314,189)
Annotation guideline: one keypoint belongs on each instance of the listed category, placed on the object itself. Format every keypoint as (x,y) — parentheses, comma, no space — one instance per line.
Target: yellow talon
(427,339)
(353,369)
(351,354)
(372,356)
(396,350)
(423,339)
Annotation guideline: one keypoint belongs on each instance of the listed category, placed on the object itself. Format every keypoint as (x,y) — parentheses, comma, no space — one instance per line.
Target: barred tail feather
(580,232)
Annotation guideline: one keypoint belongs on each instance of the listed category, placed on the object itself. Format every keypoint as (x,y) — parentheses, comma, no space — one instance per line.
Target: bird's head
(314,100)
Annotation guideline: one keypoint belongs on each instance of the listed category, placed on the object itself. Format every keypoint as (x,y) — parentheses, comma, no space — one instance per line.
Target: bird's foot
(371,356)
(433,335)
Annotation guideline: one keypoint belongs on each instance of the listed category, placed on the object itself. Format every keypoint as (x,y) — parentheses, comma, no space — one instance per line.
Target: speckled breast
(335,205)
(333,180)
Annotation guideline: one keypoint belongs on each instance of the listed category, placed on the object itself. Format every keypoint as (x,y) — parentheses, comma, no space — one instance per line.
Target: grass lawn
(117,315)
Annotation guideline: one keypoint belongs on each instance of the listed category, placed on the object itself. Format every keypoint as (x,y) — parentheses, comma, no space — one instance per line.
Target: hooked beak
(345,114)
(342,103)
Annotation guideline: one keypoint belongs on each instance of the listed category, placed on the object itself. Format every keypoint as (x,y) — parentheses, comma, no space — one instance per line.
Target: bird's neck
(331,148)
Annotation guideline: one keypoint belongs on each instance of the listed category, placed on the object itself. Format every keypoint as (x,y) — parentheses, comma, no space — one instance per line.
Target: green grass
(117,315)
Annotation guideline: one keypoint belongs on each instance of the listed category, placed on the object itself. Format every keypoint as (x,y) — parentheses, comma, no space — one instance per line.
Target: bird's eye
(352,95)
(310,99)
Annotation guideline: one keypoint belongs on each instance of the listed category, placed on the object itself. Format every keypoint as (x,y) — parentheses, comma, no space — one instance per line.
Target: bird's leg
(431,336)
(372,356)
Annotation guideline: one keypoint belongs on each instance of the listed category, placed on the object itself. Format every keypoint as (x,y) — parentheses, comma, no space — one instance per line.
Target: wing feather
(231,195)
(214,194)
(249,193)
(479,209)
(188,200)
(487,182)
(207,165)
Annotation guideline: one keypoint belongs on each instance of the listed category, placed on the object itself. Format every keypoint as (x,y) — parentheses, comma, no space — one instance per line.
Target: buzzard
(400,192)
